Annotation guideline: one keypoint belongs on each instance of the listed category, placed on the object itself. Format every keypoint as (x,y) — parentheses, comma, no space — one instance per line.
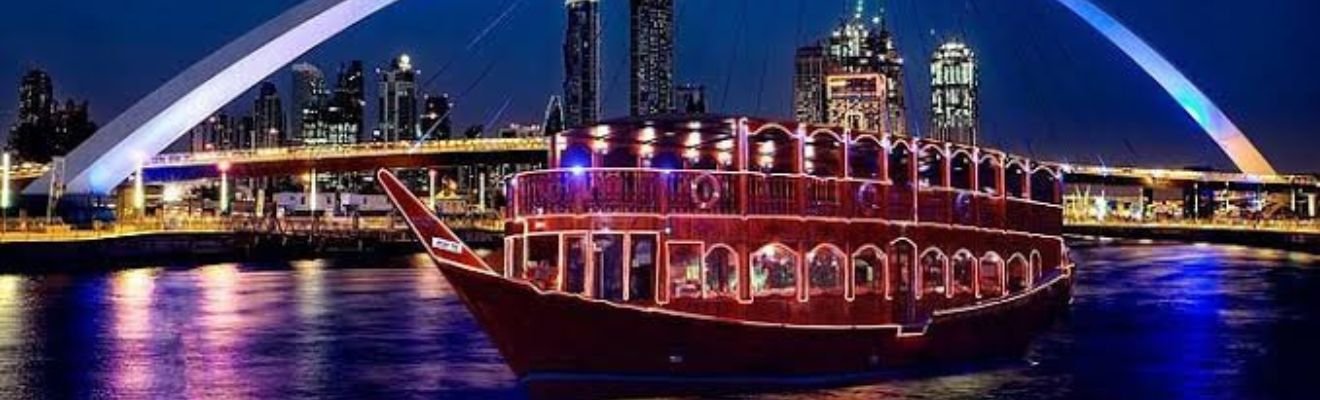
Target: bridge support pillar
(1311,205)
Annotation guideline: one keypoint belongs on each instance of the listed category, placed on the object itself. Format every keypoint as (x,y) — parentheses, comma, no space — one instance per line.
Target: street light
(224,187)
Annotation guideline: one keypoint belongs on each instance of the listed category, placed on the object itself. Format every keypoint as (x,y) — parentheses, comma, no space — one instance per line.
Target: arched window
(900,164)
(825,268)
(864,158)
(1043,186)
(991,276)
(774,271)
(988,175)
(868,271)
(963,170)
(964,274)
(1015,180)
(824,155)
(1019,276)
(722,272)
(931,169)
(933,267)
(773,150)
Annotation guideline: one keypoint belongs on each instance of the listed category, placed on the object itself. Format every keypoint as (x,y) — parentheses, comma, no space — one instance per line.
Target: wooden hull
(560,341)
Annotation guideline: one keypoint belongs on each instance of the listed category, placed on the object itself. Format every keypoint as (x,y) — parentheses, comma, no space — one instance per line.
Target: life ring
(868,195)
(706,191)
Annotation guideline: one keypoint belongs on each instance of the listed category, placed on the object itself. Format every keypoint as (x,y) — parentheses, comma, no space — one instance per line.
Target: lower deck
(781,270)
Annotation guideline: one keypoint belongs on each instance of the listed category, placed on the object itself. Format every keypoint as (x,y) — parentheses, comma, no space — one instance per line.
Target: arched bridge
(114,152)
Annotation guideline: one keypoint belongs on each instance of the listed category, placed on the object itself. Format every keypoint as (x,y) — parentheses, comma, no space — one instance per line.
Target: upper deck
(717,167)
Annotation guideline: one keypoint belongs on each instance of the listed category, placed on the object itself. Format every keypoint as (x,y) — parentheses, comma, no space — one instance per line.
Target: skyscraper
(344,115)
(691,99)
(582,63)
(652,58)
(953,93)
(553,123)
(216,133)
(860,66)
(36,98)
(809,85)
(398,101)
(436,121)
(268,117)
(309,103)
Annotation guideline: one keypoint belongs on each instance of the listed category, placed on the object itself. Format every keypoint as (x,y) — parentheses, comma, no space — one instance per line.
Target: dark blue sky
(1051,86)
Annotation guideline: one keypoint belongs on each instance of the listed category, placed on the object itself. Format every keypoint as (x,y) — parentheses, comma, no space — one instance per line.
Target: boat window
(963,170)
(685,270)
(722,272)
(931,167)
(864,159)
(575,264)
(1018,275)
(1015,180)
(607,256)
(868,271)
(964,275)
(824,155)
(620,155)
(991,278)
(903,262)
(825,269)
(641,273)
(1043,186)
(900,165)
(576,155)
(774,271)
(773,150)
(543,261)
(988,175)
(933,265)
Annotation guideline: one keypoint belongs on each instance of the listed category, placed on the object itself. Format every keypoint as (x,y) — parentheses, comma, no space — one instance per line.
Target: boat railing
(642,191)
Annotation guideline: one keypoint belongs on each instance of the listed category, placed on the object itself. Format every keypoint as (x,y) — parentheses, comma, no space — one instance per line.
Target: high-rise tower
(344,115)
(398,101)
(853,78)
(582,63)
(268,117)
(652,57)
(309,105)
(953,93)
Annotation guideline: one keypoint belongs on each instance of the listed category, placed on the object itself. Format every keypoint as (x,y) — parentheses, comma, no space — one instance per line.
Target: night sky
(1051,87)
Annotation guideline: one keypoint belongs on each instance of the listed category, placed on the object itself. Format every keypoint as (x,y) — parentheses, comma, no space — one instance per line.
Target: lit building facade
(652,57)
(398,102)
(809,85)
(345,111)
(268,117)
(854,78)
(436,120)
(36,98)
(691,99)
(214,134)
(954,85)
(582,63)
(310,98)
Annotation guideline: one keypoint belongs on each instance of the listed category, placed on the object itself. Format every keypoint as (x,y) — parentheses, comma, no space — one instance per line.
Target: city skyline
(1049,114)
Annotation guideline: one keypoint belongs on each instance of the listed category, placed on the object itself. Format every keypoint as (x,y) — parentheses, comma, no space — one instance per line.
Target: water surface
(1149,321)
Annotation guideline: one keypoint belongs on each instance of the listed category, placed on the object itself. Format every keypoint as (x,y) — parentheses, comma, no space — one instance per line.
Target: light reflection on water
(1149,321)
